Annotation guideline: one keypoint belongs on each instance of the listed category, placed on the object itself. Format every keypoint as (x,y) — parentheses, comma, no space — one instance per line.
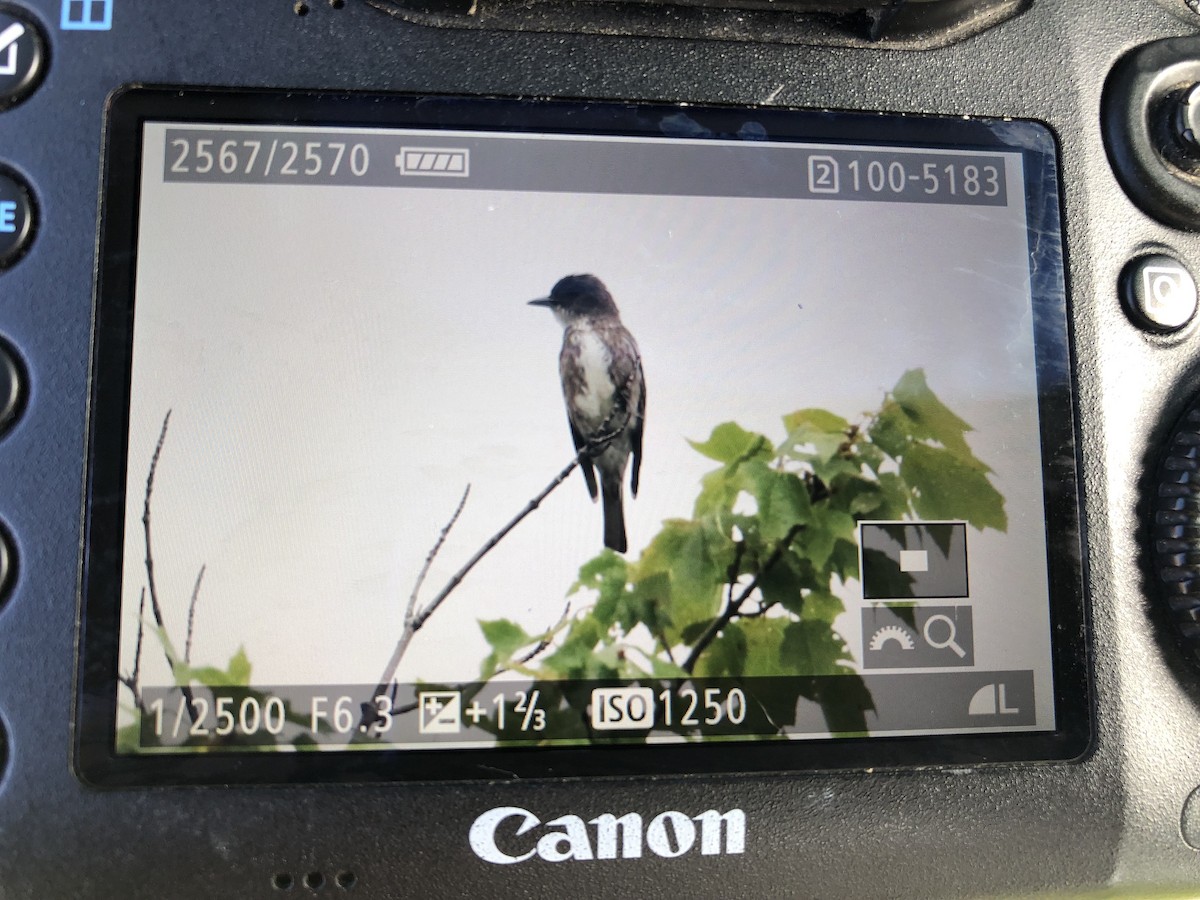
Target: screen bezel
(95,759)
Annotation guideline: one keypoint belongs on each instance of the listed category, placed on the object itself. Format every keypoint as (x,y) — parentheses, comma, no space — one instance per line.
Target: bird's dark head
(578,296)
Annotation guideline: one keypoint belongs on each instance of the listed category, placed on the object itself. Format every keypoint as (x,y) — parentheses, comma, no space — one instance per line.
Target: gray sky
(341,362)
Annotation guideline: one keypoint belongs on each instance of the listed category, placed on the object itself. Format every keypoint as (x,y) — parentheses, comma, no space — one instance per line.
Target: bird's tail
(614,512)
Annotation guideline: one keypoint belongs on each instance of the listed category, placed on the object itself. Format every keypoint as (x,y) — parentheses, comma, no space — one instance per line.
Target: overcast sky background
(342,362)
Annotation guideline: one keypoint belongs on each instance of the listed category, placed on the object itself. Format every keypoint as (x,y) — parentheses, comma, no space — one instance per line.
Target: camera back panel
(1112,805)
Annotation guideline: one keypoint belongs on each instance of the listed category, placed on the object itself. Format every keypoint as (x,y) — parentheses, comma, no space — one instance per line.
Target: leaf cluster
(748,585)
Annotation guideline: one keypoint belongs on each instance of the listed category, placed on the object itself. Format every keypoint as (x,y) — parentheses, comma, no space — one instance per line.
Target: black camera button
(18,217)
(22,56)
(1159,292)
(12,388)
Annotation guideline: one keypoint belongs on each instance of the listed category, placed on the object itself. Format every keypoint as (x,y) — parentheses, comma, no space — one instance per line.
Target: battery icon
(622,709)
(452,162)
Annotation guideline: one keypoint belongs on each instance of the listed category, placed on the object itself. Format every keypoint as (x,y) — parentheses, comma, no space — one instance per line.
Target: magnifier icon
(951,634)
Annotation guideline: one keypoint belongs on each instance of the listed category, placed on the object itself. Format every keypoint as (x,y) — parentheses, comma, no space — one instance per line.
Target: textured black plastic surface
(1175,528)
(1112,819)
(895,24)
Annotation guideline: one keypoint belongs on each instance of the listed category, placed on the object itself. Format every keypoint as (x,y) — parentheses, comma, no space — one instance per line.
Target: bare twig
(135,677)
(732,607)
(187,648)
(541,645)
(410,610)
(662,640)
(130,681)
(155,607)
(735,569)
(154,604)
(491,542)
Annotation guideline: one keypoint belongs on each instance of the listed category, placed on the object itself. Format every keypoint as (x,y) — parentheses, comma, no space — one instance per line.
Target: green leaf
(782,499)
(608,574)
(726,655)
(825,528)
(946,487)
(820,429)
(892,430)
(695,557)
(897,497)
(821,606)
(129,738)
(785,582)
(843,561)
(647,603)
(930,417)
(504,635)
(730,442)
(576,658)
(239,668)
(817,421)
(718,492)
(813,648)
(749,648)
(600,571)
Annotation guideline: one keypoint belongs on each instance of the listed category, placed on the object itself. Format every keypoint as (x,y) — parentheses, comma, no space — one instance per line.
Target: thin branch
(155,607)
(545,641)
(735,569)
(137,649)
(187,648)
(130,681)
(592,448)
(410,610)
(154,604)
(732,607)
(495,539)
(662,640)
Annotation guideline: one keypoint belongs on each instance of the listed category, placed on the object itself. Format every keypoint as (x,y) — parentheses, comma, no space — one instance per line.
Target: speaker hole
(301,8)
(346,880)
(283,882)
(314,881)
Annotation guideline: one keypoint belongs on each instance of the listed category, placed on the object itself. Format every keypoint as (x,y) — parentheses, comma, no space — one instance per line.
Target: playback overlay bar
(522,713)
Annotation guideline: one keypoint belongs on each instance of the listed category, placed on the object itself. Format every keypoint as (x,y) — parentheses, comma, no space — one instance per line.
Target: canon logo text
(509,834)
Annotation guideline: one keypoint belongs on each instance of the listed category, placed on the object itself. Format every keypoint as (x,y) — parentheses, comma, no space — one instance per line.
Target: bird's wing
(627,372)
(637,426)
(589,473)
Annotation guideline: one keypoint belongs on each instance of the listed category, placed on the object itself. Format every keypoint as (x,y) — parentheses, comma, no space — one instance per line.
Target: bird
(604,390)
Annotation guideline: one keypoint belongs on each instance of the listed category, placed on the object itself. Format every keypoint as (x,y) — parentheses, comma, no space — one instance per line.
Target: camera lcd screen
(438,437)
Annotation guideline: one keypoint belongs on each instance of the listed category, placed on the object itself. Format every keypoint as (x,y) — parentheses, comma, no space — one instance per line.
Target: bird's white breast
(595,400)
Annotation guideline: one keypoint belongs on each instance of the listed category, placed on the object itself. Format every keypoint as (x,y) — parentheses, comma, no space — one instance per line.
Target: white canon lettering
(606,836)
(483,834)
(669,835)
(659,839)
(710,832)
(571,843)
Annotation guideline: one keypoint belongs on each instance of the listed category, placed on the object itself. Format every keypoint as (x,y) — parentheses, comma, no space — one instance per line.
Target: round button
(12,387)
(18,218)
(1187,120)
(1159,292)
(22,56)
(8,564)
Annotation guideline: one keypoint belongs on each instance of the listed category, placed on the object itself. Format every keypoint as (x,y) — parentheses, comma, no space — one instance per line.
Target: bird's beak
(541,301)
